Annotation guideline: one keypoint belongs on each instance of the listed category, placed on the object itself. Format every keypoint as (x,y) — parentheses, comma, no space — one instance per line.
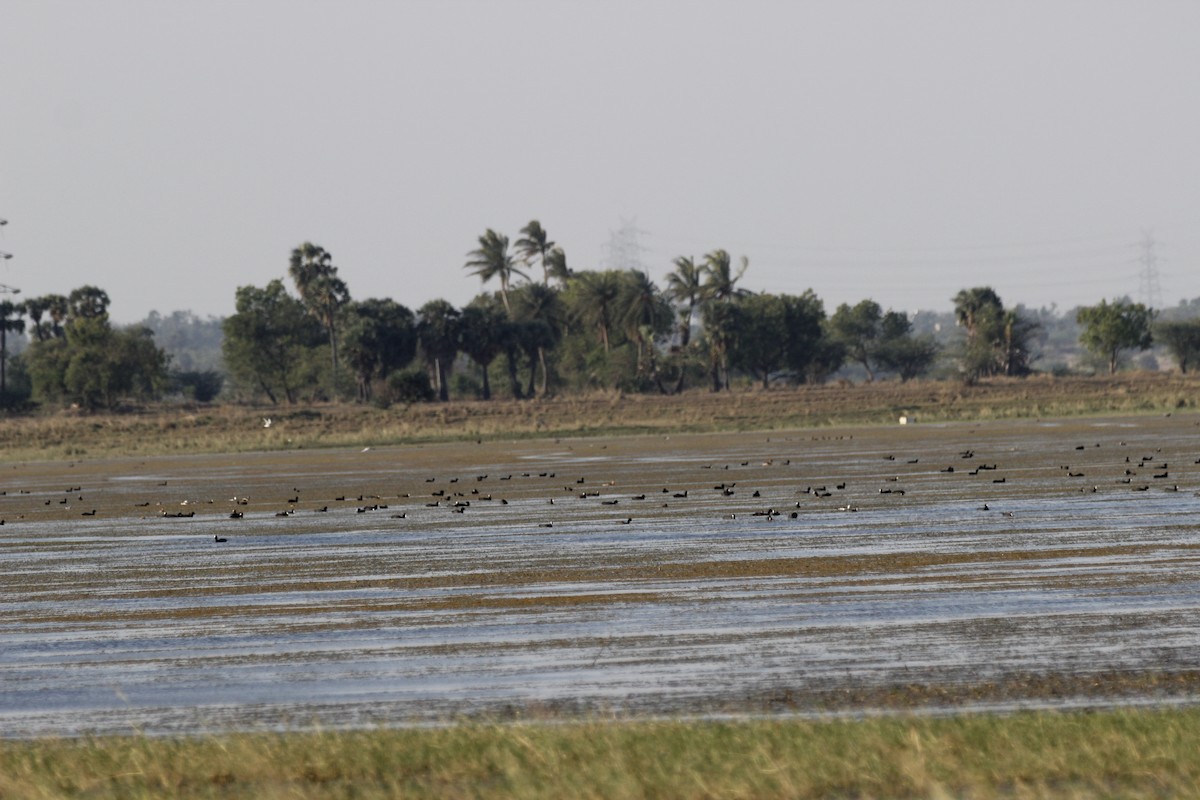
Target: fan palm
(321,290)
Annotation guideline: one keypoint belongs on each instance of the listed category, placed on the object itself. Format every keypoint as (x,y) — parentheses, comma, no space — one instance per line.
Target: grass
(232,429)
(1029,754)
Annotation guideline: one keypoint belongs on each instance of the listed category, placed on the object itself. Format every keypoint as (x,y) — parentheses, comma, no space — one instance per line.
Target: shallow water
(700,604)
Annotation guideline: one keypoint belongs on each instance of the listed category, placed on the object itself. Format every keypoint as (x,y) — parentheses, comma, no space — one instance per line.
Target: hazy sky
(171,152)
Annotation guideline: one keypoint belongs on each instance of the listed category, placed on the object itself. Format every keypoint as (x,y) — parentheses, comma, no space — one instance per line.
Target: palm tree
(492,260)
(535,244)
(595,305)
(720,282)
(684,286)
(481,325)
(320,289)
(971,305)
(59,308)
(538,303)
(644,312)
(720,290)
(35,308)
(556,266)
(439,335)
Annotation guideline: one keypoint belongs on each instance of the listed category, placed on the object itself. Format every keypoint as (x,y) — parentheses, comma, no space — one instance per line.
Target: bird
(266,422)
(220,539)
(235,515)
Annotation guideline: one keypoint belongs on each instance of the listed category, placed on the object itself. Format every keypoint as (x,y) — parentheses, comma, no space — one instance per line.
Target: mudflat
(993,564)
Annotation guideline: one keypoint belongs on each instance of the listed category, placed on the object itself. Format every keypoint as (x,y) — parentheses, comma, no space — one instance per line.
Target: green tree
(56,307)
(1182,339)
(910,356)
(808,353)
(439,339)
(685,286)
(10,322)
(998,341)
(859,329)
(720,330)
(96,366)
(379,337)
(1014,343)
(266,341)
(87,302)
(535,244)
(35,309)
(720,322)
(1109,328)
(556,266)
(492,260)
(594,302)
(321,290)
(482,332)
(760,344)
(539,308)
(974,308)
(645,315)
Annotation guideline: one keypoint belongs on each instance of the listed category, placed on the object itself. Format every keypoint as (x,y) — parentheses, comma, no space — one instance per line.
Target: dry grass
(1106,754)
(226,428)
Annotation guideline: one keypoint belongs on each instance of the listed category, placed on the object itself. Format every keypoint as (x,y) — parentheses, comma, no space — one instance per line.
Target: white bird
(266,422)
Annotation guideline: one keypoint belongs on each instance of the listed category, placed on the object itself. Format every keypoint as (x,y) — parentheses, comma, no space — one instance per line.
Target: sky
(899,151)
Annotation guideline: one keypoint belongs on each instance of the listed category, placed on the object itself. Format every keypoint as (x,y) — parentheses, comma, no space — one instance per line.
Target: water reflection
(129,620)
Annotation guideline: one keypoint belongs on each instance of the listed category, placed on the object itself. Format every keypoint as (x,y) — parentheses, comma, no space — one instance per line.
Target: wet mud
(940,567)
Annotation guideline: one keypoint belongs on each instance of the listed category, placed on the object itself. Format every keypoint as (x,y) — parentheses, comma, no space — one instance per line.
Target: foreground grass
(1100,754)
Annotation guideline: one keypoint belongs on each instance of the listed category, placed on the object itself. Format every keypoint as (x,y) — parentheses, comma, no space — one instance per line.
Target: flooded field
(932,566)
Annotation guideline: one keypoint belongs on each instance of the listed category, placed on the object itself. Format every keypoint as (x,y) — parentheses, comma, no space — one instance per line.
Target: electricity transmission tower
(624,249)
(5,323)
(1149,291)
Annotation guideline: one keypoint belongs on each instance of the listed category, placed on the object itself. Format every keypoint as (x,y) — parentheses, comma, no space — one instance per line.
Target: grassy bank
(1101,754)
(230,429)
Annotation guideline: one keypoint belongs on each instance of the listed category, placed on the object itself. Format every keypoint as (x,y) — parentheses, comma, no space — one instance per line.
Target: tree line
(560,330)
(563,330)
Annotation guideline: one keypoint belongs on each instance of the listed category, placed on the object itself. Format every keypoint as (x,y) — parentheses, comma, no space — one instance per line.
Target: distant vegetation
(549,329)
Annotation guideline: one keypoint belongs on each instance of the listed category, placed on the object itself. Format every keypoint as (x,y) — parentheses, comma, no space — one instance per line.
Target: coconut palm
(492,260)
(535,244)
(595,301)
(644,313)
(685,287)
(720,290)
(556,266)
(720,282)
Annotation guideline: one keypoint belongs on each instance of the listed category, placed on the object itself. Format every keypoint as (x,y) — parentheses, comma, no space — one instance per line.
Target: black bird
(220,539)
(234,515)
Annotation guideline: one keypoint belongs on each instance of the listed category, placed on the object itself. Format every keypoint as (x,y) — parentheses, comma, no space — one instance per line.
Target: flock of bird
(865,485)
